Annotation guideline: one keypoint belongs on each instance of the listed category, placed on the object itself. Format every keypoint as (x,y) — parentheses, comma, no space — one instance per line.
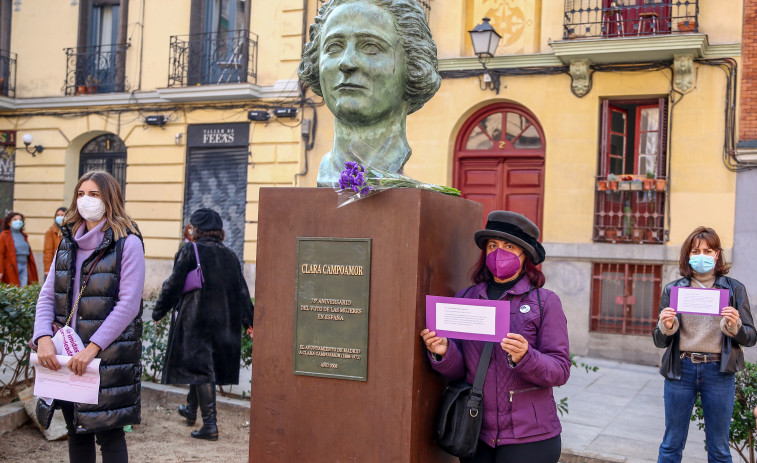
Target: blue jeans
(717,392)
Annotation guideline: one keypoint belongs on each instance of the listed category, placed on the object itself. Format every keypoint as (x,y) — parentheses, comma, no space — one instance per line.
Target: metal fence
(628,18)
(96,69)
(7,74)
(213,58)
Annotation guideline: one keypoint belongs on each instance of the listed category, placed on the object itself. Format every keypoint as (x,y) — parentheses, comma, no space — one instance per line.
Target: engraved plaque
(331,307)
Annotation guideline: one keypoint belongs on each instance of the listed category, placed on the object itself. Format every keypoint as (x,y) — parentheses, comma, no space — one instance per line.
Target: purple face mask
(503,264)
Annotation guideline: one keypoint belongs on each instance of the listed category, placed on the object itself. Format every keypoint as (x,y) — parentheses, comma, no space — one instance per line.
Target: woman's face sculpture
(362,65)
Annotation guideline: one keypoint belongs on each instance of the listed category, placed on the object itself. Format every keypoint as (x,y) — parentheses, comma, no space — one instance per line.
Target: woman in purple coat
(520,420)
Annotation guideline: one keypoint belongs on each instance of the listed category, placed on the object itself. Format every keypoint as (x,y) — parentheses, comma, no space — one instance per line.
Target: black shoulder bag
(458,424)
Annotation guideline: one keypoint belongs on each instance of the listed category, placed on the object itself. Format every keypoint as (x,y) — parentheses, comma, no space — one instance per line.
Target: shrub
(741,436)
(17,307)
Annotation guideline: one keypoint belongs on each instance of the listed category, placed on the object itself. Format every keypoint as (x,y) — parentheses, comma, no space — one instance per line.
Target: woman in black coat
(204,342)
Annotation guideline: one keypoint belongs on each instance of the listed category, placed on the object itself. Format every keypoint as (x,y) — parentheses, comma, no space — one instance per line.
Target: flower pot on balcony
(602,185)
(81,90)
(637,185)
(624,185)
(637,234)
(612,184)
(650,236)
(648,184)
(611,234)
(659,184)
(687,26)
(91,89)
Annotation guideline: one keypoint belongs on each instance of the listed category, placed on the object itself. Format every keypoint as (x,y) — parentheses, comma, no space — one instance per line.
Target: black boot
(206,395)
(189,411)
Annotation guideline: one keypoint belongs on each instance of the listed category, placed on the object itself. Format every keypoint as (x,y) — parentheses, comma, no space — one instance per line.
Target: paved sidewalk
(617,414)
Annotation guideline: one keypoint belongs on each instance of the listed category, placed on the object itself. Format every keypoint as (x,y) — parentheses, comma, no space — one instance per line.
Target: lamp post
(485,42)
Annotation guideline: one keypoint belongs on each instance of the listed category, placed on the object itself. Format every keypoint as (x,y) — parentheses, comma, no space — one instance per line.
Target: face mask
(59,220)
(503,264)
(702,263)
(17,224)
(90,208)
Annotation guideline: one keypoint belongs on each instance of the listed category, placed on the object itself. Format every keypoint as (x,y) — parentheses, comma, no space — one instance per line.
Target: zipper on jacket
(518,391)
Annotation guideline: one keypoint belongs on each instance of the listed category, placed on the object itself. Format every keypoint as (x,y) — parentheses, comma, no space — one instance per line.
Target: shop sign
(218,135)
(8,137)
(7,163)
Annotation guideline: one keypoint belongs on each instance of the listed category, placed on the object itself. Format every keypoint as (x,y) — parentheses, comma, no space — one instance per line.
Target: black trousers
(81,447)
(546,451)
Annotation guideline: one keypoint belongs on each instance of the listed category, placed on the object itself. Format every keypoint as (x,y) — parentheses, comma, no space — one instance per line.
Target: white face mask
(91,209)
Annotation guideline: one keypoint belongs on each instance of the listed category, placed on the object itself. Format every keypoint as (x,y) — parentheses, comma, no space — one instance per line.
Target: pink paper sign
(470,319)
(703,301)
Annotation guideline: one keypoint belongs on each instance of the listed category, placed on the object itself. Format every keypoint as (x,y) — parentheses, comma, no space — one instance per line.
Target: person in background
(52,239)
(101,260)
(205,341)
(17,265)
(520,422)
(702,352)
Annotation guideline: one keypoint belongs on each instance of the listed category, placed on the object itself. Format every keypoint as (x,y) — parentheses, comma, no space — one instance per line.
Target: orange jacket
(8,264)
(52,240)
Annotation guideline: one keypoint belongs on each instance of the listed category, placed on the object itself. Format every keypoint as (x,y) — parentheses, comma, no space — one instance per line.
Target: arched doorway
(499,161)
(105,152)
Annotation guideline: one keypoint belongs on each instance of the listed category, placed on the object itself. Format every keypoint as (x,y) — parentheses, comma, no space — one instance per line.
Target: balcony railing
(628,18)
(7,74)
(630,211)
(96,69)
(213,58)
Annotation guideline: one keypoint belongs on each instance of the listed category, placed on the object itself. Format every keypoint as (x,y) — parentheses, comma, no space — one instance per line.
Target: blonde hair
(110,194)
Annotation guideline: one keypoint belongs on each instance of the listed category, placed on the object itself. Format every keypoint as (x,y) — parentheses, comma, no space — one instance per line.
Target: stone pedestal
(421,243)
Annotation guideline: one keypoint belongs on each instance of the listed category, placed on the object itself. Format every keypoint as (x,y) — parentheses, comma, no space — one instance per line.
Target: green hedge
(17,306)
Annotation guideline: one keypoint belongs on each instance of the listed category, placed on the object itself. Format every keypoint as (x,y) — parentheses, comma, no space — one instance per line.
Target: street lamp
(28,140)
(485,42)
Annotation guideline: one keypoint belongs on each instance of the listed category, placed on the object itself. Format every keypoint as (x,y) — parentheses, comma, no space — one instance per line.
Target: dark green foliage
(17,308)
(741,436)
(154,344)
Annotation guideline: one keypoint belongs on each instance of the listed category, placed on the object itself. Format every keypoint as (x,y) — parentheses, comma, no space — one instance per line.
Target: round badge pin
(525,308)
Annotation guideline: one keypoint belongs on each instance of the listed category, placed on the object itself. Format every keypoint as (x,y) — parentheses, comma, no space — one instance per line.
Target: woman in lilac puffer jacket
(520,420)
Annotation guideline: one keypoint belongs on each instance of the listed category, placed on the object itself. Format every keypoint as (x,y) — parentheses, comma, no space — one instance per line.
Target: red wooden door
(499,161)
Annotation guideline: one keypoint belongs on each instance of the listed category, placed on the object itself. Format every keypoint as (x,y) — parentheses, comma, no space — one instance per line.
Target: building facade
(611,124)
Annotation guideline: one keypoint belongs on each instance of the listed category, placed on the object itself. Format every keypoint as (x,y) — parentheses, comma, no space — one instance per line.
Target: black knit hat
(206,219)
(515,228)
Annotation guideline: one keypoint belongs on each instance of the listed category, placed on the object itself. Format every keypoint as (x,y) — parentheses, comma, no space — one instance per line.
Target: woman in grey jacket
(702,351)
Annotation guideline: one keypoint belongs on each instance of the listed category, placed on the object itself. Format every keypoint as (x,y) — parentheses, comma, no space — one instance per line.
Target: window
(625,298)
(219,43)
(108,153)
(631,182)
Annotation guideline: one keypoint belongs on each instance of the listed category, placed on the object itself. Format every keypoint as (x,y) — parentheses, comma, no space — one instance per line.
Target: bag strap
(197,255)
(81,291)
(483,366)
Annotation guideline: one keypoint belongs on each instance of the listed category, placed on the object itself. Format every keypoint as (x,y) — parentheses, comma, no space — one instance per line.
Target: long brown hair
(110,194)
(712,239)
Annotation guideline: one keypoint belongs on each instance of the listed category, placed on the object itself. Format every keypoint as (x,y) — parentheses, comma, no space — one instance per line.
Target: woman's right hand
(667,316)
(46,353)
(434,344)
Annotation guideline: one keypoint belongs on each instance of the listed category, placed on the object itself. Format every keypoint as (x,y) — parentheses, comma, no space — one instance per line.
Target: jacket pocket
(533,411)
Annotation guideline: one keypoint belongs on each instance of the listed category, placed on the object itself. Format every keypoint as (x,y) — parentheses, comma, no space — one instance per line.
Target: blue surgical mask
(702,263)
(17,224)
(59,220)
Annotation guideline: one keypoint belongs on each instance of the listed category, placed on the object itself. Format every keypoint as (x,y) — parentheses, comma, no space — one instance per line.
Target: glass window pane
(493,126)
(529,139)
(478,140)
(650,119)
(616,166)
(618,122)
(617,145)
(515,125)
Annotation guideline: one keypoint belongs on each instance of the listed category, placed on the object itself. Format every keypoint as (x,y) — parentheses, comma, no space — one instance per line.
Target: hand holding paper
(64,384)
(731,316)
(434,343)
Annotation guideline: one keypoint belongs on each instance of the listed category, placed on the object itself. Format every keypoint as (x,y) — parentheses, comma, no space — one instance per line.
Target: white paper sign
(465,318)
(64,384)
(694,300)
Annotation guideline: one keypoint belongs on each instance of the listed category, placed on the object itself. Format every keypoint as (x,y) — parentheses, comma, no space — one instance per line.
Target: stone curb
(12,416)
(171,397)
(571,456)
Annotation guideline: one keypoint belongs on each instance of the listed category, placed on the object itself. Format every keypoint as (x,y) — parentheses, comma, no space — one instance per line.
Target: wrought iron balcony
(213,58)
(628,18)
(7,74)
(97,69)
